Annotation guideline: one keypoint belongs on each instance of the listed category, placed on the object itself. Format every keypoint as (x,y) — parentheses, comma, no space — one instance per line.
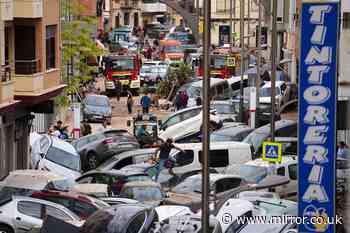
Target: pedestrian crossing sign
(272,152)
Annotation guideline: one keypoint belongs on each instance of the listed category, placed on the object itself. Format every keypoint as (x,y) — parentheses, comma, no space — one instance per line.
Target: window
(123,162)
(227,184)
(184,159)
(293,171)
(51,47)
(136,224)
(29,208)
(190,114)
(81,143)
(281,171)
(346,20)
(85,180)
(82,209)
(44,144)
(288,131)
(172,121)
(57,213)
(217,158)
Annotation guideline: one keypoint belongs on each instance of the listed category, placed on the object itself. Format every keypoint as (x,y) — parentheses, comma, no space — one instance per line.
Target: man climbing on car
(163,156)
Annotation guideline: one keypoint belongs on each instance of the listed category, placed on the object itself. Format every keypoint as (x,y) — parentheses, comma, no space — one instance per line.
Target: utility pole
(206,109)
(273,68)
(198,13)
(248,26)
(258,66)
(241,36)
(231,25)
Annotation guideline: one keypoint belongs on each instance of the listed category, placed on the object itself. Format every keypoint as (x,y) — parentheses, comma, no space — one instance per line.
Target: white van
(222,154)
(219,89)
(235,84)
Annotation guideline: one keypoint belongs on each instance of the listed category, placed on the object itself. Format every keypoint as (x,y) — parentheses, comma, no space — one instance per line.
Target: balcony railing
(27,67)
(5,73)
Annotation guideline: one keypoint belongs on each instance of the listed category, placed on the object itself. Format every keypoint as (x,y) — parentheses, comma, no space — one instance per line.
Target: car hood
(167,211)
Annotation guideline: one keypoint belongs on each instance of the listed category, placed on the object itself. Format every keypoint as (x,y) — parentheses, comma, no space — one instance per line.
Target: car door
(291,187)
(28,215)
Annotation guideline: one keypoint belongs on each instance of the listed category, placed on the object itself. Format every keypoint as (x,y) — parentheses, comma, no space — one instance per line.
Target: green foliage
(176,77)
(77,46)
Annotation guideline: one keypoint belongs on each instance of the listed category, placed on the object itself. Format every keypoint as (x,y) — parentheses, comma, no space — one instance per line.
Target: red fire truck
(122,68)
(221,65)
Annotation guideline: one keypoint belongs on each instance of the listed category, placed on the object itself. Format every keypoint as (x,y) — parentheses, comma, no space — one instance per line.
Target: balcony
(155,7)
(6,85)
(6,10)
(28,8)
(127,4)
(28,78)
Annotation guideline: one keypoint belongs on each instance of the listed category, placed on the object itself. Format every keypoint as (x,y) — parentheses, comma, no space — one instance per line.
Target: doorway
(136,20)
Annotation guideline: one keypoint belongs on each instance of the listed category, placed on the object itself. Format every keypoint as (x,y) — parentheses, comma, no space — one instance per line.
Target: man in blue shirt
(145,103)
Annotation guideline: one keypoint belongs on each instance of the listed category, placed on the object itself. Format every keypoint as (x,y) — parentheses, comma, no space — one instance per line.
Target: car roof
(31,179)
(232,130)
(213,145)
(184,110)
(228,102)
(278,125)
(97,96)
(114,172)
(141,184)
(135,152)
(262,163)
(213,177)
(63,145)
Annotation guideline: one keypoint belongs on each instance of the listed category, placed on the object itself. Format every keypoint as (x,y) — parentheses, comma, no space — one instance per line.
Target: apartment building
(126,13)
(152,10)
(30,73)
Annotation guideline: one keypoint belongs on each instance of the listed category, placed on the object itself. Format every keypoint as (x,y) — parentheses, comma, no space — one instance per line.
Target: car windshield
(142,194)
(6,193)
(191,90)
(138,178)
(266,92)
(146,69)
(225,108)
(96,101)
(189,185)
(251,173)
(173,49)
(218,62)
(63,158)
(256,139)
(122,64)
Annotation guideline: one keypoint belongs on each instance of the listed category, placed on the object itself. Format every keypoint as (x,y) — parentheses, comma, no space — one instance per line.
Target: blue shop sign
(317,115)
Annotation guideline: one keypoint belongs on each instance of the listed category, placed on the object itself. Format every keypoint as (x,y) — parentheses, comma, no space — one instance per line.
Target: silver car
(21,214)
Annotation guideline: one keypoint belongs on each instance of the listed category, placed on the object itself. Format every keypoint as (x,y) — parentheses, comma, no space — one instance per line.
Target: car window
(142,158)
(293,171)
(281,171)
(183,159)
(63,158)
(101,179)
(123,162)
(62,201)
(227,184)
(81,143)
(44,144)
(244,134)
(136,224)
(82,209)
(57,213)
(288,131)
(189,114)
(29,208)
(86,179)
(217,158)
(93,138)
(172,121)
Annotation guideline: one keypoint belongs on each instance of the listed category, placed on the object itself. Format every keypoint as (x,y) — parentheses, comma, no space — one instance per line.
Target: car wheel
(92,161)
(5,229)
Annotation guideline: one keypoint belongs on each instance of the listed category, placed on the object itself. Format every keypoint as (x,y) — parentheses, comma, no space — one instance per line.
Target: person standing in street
(343,150)
(178,101)
(163,155)
(145,103)
(104,126)
(129,101)
(118,89)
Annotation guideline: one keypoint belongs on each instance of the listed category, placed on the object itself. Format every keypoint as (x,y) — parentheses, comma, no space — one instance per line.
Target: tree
(176,78)
(78,48)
